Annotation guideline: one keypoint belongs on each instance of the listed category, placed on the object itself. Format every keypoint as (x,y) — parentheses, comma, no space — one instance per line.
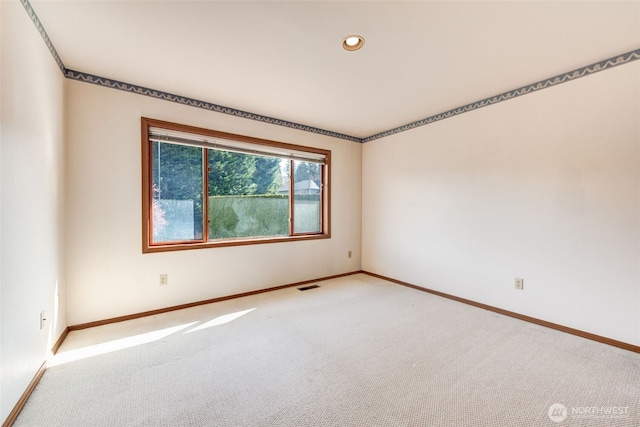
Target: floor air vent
(306,288)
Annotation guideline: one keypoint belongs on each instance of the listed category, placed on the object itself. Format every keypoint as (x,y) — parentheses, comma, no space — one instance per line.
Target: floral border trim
(141,90)
(153,93)
(36,21)
(542,84)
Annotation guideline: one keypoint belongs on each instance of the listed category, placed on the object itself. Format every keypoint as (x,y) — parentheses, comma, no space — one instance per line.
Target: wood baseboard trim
(566,329)
(13,415)
(197,303)
(58,343)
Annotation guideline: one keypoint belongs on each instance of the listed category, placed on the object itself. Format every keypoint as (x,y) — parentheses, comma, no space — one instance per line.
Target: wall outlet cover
(519,283)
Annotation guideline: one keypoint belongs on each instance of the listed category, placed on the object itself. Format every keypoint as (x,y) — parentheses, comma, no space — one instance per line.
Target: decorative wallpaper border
(36,21)
(141,90)
(542,84)
(153,93)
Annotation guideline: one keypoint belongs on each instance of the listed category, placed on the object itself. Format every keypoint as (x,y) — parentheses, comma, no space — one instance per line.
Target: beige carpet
(357,351)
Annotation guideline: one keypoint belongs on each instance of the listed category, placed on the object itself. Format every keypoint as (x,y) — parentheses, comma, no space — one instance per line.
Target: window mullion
(205,195)
(291,198)
(322,199)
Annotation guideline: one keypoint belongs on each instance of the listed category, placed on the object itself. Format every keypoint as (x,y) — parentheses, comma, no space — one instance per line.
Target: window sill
(230,242)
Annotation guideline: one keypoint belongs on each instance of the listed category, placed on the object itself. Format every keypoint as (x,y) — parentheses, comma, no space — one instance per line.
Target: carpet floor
(356,351)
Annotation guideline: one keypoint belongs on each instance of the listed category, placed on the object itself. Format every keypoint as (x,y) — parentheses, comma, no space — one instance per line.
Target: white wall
(107,273)
(31,153)
(545,187)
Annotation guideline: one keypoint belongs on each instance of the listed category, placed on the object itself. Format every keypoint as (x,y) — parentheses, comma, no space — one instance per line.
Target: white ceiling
(285,60)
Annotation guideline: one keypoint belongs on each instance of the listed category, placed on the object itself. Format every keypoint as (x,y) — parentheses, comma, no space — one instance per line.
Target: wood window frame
(147,206)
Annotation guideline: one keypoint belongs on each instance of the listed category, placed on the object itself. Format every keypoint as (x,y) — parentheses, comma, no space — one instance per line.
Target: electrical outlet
(164,280)
(519,283)
(43,319)
(349,254)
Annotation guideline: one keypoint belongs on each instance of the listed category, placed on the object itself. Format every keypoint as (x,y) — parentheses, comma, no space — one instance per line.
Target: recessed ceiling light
(353,42)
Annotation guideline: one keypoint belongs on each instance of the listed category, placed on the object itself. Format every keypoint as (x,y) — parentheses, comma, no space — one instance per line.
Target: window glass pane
(307,206)
(177,193)
(205,188)
(246,197)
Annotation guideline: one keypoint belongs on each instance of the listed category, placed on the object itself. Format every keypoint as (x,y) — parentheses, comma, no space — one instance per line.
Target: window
(204,188)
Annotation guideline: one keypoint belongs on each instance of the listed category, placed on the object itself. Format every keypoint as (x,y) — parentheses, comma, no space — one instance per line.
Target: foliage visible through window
(241,190)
